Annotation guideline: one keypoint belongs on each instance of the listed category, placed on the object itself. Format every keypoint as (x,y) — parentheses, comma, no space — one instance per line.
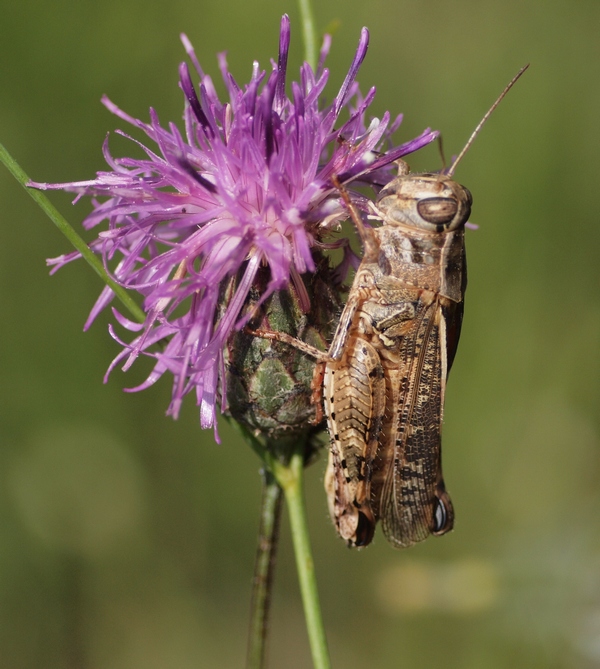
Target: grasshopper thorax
(430,202)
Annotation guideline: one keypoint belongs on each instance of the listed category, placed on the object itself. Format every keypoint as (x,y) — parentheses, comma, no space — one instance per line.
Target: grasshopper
(384,375)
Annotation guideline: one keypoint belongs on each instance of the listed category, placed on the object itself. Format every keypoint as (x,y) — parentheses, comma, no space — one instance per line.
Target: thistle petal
(250,185)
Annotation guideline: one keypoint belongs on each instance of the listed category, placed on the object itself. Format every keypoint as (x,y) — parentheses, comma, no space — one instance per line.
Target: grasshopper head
(430,202)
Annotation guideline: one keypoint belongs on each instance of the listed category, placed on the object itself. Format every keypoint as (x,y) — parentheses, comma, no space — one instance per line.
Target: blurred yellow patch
(463,586)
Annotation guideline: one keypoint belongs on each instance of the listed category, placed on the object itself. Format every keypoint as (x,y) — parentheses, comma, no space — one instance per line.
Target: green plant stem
(291,478)
(309,33)
(61,223)
(264,567)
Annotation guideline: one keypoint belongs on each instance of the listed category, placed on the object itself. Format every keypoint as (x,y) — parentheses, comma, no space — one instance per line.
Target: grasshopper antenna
(441,150)
(512,82)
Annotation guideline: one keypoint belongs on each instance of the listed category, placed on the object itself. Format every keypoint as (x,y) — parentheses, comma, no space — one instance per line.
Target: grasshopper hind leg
(365,530)
(355,522)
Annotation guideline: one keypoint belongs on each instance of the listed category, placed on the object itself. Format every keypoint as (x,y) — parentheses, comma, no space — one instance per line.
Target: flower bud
(270,387)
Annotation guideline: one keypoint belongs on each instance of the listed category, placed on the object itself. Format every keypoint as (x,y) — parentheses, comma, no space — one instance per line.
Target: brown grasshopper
(385,372)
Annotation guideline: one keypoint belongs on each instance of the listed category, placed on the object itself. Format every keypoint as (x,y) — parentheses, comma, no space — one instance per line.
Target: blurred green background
(127,539)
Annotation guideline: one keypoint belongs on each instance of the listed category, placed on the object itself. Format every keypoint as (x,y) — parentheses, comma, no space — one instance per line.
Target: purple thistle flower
(248,185)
